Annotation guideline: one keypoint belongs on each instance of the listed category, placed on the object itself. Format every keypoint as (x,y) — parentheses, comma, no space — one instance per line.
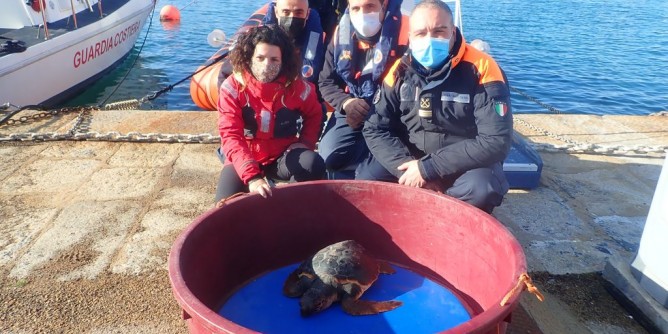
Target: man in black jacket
(443,117)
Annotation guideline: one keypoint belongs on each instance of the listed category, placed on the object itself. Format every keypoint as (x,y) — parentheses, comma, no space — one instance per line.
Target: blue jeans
(481,187)
(341,147)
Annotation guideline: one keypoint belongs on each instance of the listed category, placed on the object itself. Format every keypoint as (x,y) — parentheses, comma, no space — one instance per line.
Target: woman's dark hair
(242,53)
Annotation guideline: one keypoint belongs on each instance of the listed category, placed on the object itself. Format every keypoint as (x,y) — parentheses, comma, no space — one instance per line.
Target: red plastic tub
(441,238)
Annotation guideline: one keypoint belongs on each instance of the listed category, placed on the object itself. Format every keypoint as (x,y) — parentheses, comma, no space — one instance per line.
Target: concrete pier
(86,226)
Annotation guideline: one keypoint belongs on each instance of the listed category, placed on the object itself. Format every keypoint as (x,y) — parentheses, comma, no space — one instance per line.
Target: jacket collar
(460,47)
(265,91)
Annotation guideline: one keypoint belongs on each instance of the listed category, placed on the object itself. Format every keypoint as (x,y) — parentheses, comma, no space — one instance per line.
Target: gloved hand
(356,111)
(260,186)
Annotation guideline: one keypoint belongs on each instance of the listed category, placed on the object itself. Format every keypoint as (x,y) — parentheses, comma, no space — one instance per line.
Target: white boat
(53,49)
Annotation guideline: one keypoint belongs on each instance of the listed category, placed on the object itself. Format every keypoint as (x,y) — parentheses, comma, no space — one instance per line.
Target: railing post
(43,11)
(74,14)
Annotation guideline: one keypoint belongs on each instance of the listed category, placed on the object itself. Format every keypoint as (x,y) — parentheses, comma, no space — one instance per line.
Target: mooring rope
(135,103)
(150,23)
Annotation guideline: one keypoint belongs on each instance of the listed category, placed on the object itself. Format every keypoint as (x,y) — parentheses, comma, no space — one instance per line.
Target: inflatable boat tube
(204,84)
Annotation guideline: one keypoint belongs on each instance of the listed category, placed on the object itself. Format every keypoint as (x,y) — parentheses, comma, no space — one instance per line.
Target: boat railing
(456,7)
(74,14)
(45,21)
(46,27)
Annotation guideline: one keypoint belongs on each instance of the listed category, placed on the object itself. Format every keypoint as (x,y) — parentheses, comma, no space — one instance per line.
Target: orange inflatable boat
(204,84)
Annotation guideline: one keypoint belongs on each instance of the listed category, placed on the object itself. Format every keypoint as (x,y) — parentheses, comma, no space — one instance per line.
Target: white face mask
(366,25)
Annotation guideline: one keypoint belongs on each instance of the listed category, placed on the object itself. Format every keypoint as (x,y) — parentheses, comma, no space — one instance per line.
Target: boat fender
(34,4)
(13,46)
(481,45)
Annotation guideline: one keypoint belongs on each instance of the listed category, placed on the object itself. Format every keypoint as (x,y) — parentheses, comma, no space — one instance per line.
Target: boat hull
(51,71)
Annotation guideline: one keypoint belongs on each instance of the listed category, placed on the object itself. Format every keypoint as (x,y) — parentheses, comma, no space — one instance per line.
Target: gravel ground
(109,304)
(587,298)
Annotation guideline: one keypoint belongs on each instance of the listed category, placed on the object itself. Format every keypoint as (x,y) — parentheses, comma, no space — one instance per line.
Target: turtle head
(315,300)
(297,283)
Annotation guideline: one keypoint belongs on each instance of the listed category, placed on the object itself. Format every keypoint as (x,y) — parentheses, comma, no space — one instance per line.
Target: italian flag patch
(501,108)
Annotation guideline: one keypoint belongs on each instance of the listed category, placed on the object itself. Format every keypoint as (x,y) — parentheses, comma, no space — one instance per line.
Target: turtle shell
(346,263)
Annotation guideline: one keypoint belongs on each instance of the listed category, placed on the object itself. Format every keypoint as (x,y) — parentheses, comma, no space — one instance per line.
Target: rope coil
(524,281)
(123,105)
(223,201)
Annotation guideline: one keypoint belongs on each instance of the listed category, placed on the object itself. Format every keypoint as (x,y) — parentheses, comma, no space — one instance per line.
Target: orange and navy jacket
(471,123)
(258,121)
(353,68)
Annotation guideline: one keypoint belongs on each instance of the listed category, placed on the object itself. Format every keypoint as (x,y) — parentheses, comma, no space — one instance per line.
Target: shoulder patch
(501,108)
(307,71)
(376,96)
(377,56)
(345,55)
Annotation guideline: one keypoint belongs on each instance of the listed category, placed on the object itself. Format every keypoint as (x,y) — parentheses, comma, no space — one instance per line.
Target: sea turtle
(338,272)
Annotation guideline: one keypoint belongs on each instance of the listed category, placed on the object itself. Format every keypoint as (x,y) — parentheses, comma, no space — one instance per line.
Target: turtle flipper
(385,268)
(365,307)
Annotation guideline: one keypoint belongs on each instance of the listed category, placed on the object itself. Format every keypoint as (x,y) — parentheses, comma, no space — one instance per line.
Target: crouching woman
(268,117)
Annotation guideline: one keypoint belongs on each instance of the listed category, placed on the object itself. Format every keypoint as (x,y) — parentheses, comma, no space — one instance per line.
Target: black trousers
(296,165)
(480,187)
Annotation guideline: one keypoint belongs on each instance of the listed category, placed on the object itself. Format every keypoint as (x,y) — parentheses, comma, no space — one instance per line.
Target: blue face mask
(430,52)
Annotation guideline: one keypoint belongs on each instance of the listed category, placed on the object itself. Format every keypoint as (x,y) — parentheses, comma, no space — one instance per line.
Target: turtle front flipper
(385,268)
(364,307)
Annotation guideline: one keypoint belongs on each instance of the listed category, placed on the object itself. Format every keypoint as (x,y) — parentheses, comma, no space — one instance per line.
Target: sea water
(601,57)
(427,307)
